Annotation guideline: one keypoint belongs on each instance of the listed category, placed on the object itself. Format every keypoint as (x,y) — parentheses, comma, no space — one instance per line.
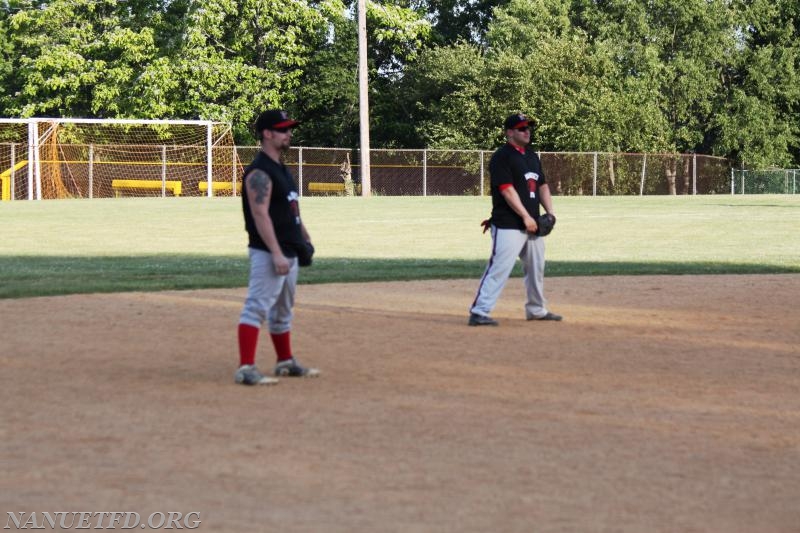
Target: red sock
(283,345)
(248,340)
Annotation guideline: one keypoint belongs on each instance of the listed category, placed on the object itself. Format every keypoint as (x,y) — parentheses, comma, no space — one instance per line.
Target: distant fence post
(91,169)
(732,183)
(34,168)
(209,158)
(594,176)
(694,173)
(644,172)
(163,171)
(482,177)
(300,169)
(233,171)
(425,173)
(13,171)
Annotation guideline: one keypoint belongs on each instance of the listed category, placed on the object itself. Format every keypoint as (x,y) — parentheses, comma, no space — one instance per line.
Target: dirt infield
(660,404)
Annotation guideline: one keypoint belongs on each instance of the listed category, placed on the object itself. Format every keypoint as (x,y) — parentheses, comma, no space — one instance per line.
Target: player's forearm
(513,200)
(266,230)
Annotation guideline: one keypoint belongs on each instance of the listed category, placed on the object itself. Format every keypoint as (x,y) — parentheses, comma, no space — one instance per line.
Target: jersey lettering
(293,198)
(532,178)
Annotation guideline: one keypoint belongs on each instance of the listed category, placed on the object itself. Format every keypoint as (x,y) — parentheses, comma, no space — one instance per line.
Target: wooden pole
(363,97)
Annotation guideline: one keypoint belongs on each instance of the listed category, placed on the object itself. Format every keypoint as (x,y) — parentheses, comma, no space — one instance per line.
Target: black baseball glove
(546,223)
(305,252)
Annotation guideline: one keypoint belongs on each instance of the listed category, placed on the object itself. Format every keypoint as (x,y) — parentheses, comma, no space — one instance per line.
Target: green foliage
(72,58)
(622,76)
(719,77)
(329,88)
(758,122)
(461,20)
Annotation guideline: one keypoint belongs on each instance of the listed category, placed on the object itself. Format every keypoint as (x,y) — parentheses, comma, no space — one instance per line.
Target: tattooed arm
(259,190)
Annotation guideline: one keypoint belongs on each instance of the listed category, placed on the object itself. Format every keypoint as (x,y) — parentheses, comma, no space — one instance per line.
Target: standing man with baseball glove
(518,189)
(278,244)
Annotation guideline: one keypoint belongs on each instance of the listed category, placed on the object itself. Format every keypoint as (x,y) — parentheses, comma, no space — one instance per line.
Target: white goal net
(88,158)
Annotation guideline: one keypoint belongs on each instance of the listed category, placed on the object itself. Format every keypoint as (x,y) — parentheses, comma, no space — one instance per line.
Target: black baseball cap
(517,120)
(273,119)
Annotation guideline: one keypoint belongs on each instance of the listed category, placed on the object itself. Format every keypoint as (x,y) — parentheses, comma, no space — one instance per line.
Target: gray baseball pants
(270,297)
(507,245)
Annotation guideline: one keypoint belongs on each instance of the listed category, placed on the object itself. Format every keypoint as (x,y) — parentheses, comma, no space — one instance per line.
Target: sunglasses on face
(523,128)
(281,130)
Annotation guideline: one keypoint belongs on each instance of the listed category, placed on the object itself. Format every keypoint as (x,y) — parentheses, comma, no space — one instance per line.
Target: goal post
(102,158)
(15,152)
(769,181)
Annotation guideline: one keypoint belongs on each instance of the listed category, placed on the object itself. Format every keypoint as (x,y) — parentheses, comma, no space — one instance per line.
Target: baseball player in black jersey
(275,235)
(519,187)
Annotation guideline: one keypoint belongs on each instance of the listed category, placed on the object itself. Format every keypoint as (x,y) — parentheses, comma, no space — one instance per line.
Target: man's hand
(512,199)
(280,263)
(530,224)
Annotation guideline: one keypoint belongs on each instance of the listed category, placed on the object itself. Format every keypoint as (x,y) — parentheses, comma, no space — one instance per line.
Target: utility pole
(363,97)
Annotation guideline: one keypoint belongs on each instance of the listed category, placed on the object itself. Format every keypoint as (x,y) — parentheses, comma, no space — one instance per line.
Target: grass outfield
(75,246)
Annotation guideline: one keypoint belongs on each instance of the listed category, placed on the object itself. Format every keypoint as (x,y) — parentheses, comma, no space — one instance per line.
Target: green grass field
(77,246)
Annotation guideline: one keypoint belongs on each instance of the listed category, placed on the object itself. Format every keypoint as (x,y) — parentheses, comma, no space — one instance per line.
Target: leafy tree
(461,20)
(442,94)
(713,76)
(538,62)
(72,58)
(327,95)
(626,75)
(329,85)
(237,57)
(6,52)
(758,123)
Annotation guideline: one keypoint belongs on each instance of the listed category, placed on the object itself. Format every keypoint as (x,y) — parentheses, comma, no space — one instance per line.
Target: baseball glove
(546,223)
(305,252)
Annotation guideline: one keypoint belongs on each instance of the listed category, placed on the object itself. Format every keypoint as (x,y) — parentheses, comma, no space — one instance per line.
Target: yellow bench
(314,186)
(5,180)
(325,187)
(219,186)
(119,185)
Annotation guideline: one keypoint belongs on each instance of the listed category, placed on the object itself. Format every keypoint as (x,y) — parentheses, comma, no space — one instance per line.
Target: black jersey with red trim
(284,209)
(523,171)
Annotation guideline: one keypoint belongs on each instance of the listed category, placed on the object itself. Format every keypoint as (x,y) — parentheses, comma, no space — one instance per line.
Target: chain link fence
(73,158)
(90,172)
(466,173)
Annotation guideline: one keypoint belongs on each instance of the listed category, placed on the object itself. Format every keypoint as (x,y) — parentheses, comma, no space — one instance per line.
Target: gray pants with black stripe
(507,245)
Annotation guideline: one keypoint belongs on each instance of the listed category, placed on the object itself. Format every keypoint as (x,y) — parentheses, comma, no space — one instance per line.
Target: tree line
(717,77)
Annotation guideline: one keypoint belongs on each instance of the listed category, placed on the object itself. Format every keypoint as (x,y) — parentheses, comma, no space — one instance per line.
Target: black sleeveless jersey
(522,171)
(284,209)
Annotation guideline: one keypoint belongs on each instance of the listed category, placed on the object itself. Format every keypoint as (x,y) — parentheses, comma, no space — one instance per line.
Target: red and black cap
(273,119)
(517,120)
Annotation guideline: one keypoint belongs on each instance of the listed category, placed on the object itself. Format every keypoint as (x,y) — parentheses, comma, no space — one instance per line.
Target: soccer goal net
(775,181)
(92,158)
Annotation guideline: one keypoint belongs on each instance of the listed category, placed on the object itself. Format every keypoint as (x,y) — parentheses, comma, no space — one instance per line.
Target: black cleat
(292,369)
(480,320)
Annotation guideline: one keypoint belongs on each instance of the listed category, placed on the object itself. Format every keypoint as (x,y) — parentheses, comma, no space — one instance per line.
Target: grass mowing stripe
(36,276)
